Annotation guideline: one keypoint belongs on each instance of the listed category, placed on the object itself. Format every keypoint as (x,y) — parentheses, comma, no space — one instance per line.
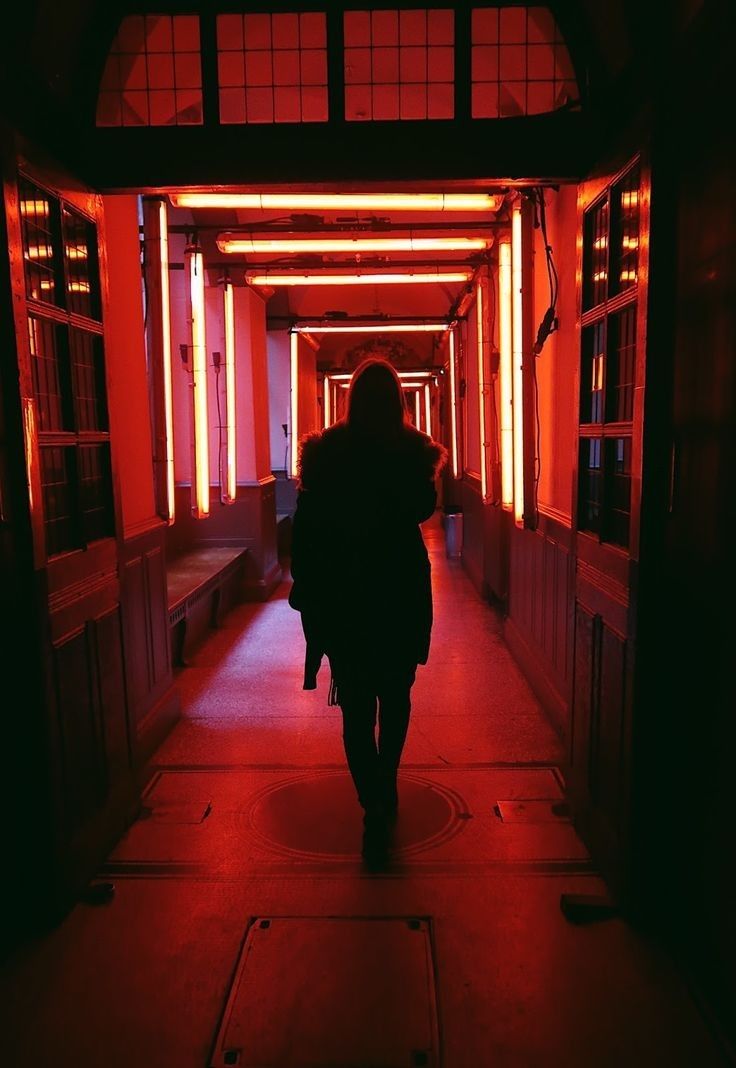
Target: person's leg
(358,706)
(394,696)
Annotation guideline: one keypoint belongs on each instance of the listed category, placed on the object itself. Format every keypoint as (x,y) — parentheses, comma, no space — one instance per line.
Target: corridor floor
(245,930)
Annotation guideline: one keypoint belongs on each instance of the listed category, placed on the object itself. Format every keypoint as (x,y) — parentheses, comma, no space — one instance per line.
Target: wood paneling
(111,694)
(606,588)
(539,610)
(600,778)
(95,789)
(531,572)
(79,721)
(153,704)
(91,717)
(473,537)
(249,523)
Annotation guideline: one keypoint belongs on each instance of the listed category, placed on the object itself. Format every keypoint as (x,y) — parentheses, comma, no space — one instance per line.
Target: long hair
(376,399)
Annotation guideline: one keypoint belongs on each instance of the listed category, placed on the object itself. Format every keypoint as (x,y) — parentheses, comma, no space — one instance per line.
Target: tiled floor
(250,824)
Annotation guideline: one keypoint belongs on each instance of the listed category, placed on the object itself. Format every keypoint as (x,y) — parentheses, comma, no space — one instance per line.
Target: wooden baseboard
(156,725)
(262,588)
(538,678)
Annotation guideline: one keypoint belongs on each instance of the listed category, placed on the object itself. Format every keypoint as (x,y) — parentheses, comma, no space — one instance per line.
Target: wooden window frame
(69,436)
(614,301)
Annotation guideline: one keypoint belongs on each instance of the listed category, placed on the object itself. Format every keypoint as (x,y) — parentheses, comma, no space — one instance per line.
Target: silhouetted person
(362,577)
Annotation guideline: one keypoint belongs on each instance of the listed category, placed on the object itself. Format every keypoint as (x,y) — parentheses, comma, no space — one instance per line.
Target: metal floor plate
(334,992)
(161,811)
(534,810)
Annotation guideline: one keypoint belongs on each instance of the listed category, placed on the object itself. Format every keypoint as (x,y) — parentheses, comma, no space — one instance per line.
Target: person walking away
(361,578)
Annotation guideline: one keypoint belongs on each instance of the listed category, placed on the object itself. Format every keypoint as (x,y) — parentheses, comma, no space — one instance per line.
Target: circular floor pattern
(317,816)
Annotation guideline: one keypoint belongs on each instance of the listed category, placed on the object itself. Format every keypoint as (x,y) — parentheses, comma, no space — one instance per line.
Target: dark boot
(388,791)
(376,838)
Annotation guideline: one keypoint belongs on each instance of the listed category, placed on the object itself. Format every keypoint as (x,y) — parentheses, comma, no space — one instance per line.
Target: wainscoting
(89,741)
(248,523)
(539,624)
(153,703)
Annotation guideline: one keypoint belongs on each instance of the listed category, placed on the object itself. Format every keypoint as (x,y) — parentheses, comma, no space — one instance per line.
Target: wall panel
(538,626)
(153,702)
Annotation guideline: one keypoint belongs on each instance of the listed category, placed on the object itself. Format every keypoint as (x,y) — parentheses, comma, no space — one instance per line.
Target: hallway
(249,819)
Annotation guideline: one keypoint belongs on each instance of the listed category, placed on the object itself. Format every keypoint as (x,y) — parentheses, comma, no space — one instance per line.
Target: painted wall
(530,570)
(254,450)
(471,410)
(540,563)
(279,386)
(251,385)
(251,379)
(216,388)
(130,424)
(180,379)
(557,363)
(307,415)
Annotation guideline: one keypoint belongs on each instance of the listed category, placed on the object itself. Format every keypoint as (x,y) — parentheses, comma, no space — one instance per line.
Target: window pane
(357,29)
(521,50)
(67,367)
(386,102)
(57,475)
(485,100)
(395,60)
(441,27)
(592,373)
(47,344)
(413,27)
(618,491)
(80,264)
(88,380)
(232,105)
(264,71)
(590,485)
(595,255)
(625,231)
(39,227)
(440,101)
(152,59)
(186,33)
(95,498)
(485,25)
(621,366)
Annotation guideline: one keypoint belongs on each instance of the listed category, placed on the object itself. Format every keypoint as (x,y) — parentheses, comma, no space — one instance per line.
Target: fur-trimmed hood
(339,449)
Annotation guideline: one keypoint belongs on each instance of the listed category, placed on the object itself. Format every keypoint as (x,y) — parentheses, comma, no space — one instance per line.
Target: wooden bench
(202,585)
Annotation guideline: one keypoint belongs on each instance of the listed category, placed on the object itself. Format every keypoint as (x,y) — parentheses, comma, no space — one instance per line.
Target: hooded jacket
(360,567)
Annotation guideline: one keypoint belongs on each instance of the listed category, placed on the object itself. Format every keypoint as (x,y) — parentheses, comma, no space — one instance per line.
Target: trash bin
(452,522)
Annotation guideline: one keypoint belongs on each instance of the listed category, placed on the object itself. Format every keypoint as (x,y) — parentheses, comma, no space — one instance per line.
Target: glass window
(80,264)
(39,214)
(272,67)
(153,73)
(590,478)
(625,232)
(519,63)
(592,373)
(399,64)
(608,360)
(68,368)
(621,366)
(595,255)
(618,491)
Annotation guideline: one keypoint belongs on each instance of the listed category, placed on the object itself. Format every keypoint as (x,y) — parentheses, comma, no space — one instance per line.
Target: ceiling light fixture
(340,201)
(355,279)
(232,243)
(402,374)
(388,328)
